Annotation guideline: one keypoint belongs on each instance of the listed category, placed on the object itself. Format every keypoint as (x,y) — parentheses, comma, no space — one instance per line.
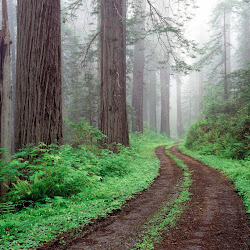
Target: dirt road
(214,217)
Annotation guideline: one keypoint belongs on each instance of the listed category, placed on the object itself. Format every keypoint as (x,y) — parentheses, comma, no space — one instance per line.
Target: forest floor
(213,218)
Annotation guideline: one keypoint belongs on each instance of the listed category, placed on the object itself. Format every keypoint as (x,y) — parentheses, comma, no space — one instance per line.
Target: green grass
(237,171)
(168,214)
(33,226)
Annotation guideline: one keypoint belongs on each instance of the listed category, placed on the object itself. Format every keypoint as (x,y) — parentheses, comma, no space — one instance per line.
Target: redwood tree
(165,99)
(38,111)
(5,84)
(179,107)
(138,70)
(5,92)
(113,112)
(152,100)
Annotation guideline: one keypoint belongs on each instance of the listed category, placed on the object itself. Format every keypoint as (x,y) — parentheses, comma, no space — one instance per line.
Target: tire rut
(122,229)
(215,216)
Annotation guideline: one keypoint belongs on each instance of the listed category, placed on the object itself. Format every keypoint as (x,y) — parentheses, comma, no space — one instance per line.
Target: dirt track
(214,217)
(121,229)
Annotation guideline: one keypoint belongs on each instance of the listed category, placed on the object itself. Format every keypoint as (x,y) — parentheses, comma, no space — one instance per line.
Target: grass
(33,226)
(168,214)
(237,171)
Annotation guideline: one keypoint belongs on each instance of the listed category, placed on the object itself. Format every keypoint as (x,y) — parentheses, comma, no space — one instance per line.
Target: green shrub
(226,136)
(34,225)
(82,133)
(42,172)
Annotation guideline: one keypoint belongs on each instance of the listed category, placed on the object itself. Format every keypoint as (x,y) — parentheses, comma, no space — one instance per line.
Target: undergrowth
(222,134)
(57,190)
(237,171)
(224,127)
(168,214)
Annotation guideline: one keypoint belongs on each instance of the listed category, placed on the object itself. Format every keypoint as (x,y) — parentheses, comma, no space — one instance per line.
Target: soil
(214,217)
(121,229)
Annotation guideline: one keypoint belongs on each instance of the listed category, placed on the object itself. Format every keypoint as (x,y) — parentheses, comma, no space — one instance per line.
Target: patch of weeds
(237,171)
(121,176)
(169,213)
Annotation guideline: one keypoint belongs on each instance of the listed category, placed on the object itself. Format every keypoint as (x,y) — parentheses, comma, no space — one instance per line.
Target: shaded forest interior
(86,85)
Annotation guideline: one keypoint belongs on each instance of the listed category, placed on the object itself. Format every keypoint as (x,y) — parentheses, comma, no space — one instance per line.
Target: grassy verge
(169,213)
(237,171)
(33,226)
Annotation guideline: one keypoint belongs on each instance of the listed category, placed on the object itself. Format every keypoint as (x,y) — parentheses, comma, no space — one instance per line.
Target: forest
(124,124)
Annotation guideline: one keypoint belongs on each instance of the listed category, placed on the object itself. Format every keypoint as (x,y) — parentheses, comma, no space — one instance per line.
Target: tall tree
(138,69)
(152,100)
(165,98)
(5,84)
(227,50)
(201,87)
(5,91)
(113,112)
(38,111)
(11,5)
(179,107)
(146,99)
(245,35)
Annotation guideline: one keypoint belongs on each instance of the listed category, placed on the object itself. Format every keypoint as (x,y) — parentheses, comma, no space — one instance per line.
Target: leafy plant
(83,133)
(43,221)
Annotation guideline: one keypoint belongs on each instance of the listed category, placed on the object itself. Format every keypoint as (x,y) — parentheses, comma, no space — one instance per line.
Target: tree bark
(246,38)
(113,111)
(146,99)
(12,22)
(5,84)
(227,57)
(179,108)
(165,101)
(38,111)
(138,71)
(5,91)
(201,88)
(152,101)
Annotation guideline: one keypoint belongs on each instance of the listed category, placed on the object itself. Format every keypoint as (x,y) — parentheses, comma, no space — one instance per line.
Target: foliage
(82,133)
(222,135)
(110,180)
(237,171)
(42,172)
(80,82)
(224,129)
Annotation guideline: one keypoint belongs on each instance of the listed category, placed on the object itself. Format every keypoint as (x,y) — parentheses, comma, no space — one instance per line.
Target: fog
(175,32)
(195,17)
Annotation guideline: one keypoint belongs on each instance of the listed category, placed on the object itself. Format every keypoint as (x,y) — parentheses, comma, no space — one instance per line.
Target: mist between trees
(121,66)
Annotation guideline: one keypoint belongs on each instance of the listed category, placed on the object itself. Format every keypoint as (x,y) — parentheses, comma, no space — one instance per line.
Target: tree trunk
(38,111)
(152,101)
(146,99)
(138,72)
(12,23)
(246,38)
(201,88)
(165,101)
(226,24)
(113,112)
(5,91)
(179,108)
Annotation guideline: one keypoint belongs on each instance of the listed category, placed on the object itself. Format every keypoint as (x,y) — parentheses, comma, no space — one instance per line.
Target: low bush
(225,135)
(42,172)
(105,182)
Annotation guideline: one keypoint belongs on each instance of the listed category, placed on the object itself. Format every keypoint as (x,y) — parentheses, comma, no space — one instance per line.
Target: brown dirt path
(215,216)
(122,228)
